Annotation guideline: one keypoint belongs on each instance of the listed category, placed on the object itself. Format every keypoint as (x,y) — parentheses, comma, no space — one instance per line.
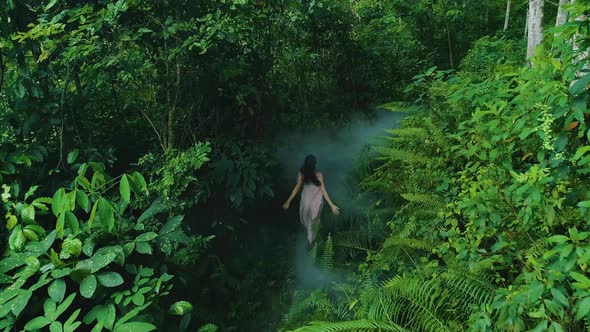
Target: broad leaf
(88,286)
(110,279)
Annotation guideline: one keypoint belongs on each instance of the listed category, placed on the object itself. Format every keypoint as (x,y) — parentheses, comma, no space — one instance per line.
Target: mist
(337,151)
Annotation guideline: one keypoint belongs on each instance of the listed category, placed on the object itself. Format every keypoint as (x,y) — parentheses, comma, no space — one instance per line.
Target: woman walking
(312,197)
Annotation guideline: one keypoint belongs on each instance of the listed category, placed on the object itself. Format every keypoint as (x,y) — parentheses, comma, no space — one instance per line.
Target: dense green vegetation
(141,188)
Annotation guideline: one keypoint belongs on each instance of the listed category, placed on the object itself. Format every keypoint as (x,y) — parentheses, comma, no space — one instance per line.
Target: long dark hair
(308,170)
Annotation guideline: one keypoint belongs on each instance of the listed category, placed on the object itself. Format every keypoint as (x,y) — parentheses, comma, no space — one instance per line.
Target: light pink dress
(310,208)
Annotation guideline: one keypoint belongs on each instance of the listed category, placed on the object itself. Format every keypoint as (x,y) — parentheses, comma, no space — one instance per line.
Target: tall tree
(561,13)
(534,26)
(507,17)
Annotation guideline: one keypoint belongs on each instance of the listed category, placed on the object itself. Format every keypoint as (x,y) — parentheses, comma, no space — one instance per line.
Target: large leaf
(156,207)
(82,200)
(65,304)
(13,261)
(57,290)
(37,323)
(135,327)
(73,154)
(145,237)
(106,214)
(39,248)
(19,303)
(580,85)
(171,225)
(110,279)
(49,308)
(124,189)
(72,222)
(88,286)
(181,308)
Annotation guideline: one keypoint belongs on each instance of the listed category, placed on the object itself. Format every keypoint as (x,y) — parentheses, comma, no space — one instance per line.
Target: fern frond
(328,254)
(409,243)
(468,289)
(398,106)
(389,153)
(413,301)
(405,133)
(353,243)
(423,199)
(436,133)
(352,326)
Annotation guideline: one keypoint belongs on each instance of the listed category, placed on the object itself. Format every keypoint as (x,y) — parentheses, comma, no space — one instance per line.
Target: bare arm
(335,209)
(294,192)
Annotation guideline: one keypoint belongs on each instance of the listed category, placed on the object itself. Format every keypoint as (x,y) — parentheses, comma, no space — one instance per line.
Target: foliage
(114,82)
(175,178)
(490,181)
(85,242)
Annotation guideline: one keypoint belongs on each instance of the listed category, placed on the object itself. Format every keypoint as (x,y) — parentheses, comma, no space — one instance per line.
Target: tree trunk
(561,13)
(450,48)
(172,110)
(507,18)
(535,26)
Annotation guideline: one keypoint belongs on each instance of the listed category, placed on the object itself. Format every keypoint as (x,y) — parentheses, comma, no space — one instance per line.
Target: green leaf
(135,327)
(70,247)
(49,308)
(60,224)
(156,207)
(110,279)
(39,248)
(132,313)
(139,181)
(171,225)
(50,5)
(145,237)
(37,323)
(57,290)
(72,155)
(102,259)
(88,247)
(558,239)
(208,328)
(558,295)
(57,202)
(55,327)
(580,85)
(583,308)
(20,302)
(143,248)
(124,189)
(181,308)
(92,215)
(70,321)
(583,281)
(65,304)
(138,299)
(584,204)
(106,214)
(82,200)
(88,286)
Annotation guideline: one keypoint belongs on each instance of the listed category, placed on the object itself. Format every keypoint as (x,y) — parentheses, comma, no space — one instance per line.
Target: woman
(312,197)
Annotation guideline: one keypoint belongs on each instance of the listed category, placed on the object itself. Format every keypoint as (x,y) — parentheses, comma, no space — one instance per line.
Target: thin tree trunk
(450,48)
(507,18)
(172,109)
(561,13)
(535,26)
(2,69)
